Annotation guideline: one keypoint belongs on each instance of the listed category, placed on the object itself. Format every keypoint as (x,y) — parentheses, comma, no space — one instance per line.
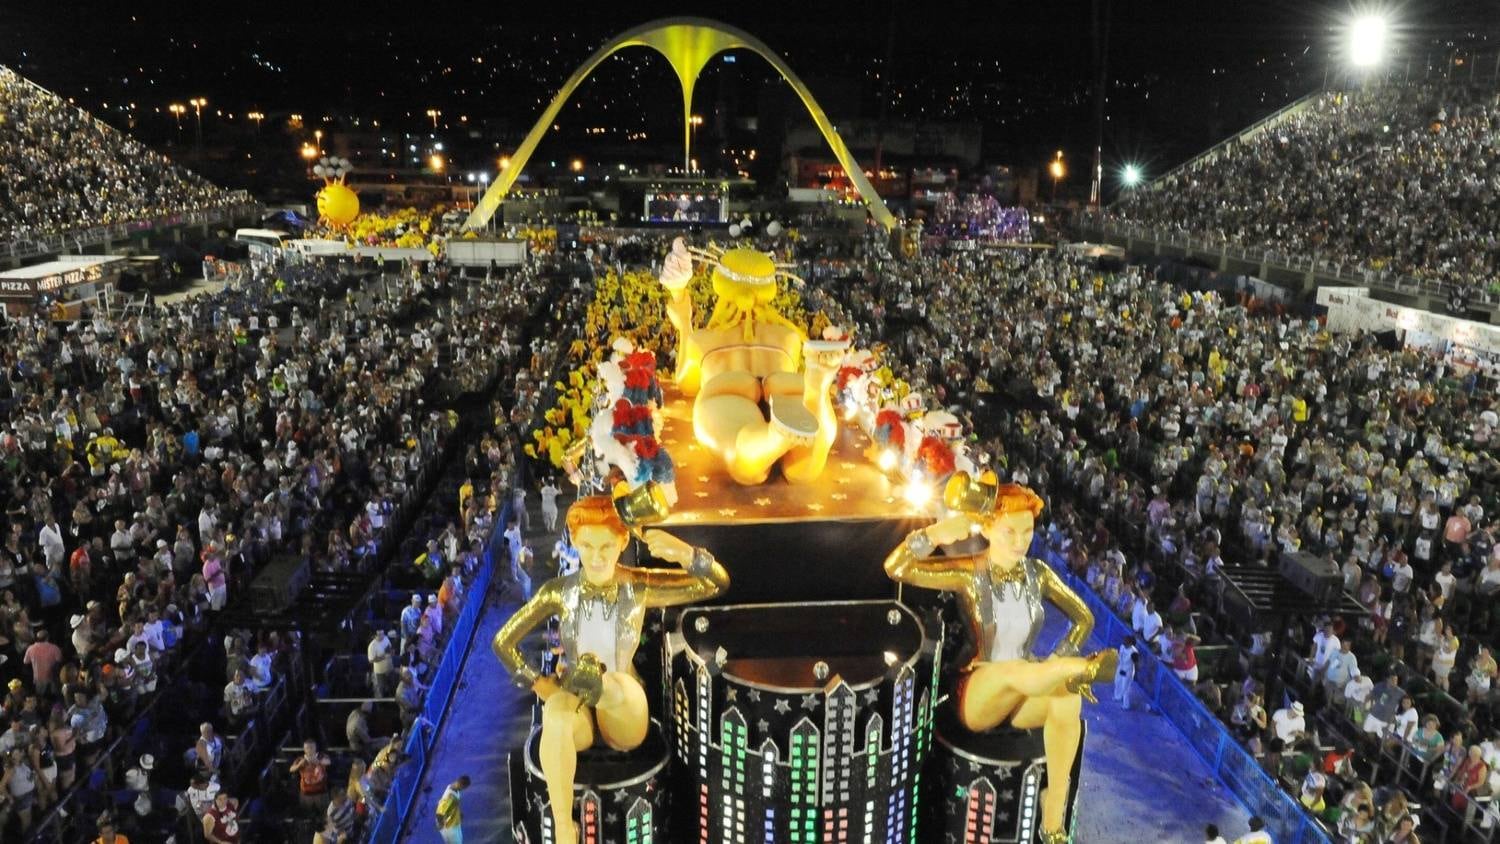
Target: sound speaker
(277,586)
(1317,576)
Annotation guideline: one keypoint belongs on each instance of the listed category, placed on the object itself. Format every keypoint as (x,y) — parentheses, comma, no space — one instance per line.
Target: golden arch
(688,44)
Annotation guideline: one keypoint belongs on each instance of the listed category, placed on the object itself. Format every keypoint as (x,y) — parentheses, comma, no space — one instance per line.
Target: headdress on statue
(595,511)
(622,346)
(1014,498)
(943,424)
(745,282)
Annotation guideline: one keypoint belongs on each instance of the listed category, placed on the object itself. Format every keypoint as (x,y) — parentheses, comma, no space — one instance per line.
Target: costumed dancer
(601,609)
(1001,593)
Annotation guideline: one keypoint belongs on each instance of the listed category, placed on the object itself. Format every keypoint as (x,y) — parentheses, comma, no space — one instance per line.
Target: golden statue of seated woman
(755,404)
(1000,592)
(601,609)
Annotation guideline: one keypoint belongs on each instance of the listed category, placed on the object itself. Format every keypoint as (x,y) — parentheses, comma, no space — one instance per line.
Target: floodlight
(1368,35)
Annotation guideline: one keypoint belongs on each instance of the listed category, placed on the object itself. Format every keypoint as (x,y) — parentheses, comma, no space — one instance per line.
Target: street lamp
(177,109)
(435,161)
(257,117)
(577,165)
(434,114)
(1058,170)
(198,103)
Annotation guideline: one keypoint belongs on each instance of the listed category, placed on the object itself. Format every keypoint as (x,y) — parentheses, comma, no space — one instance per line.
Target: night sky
(1182,74)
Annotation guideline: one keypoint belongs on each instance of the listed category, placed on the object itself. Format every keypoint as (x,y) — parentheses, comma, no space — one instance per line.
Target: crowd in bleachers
(1177,435)
(154,462)
(65,170)
(1397,179)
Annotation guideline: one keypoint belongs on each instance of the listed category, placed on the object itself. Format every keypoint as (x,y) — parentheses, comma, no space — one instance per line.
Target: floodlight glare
(1131,175)
(1367,39)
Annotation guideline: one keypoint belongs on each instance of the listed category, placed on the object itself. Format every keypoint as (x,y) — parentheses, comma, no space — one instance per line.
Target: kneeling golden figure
(601,609)
(1000,591)
(761,388)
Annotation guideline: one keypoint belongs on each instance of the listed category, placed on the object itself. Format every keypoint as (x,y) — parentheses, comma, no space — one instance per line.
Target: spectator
(44,658)
(311,769)
(1289,723)
(221,820)
(382,663)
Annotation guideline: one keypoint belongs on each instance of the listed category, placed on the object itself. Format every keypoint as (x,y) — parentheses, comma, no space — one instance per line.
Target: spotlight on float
(1368,36)
(917,493)
(887,460)
(1130,175)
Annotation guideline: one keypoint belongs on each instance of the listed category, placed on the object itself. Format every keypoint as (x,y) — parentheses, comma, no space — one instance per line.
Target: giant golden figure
(601,608)
(1000,592)
(755,405)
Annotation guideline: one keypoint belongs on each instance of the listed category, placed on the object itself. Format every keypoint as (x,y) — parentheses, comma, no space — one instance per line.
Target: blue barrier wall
(1285,819)
(408,778)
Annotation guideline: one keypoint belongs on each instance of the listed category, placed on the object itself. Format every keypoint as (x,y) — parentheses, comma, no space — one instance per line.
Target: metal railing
(407,781)
(81,239)
(1343,273)
(1209,738)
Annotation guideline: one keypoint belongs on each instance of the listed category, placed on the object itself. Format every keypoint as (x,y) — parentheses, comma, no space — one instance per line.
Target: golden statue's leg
(805,463)
(622,713)
(567,728)
(728,420)
(990,684)
(1061,719)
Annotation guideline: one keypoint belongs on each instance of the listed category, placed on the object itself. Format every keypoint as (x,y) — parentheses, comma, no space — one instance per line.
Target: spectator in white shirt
(1289,724)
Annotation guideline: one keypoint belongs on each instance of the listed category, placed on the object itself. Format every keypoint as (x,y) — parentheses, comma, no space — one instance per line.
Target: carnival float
(804,612)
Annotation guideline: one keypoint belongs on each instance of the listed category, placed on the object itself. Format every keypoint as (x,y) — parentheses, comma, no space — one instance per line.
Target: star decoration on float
(762,502)
(763,726)
(810,701)
(815,506)
(839,496)
(872,697)
(846,482)
(621,795)
(727,512)
(702,479)
(731,695)
(754,695)
(845,465)
(701,494)
(782,707)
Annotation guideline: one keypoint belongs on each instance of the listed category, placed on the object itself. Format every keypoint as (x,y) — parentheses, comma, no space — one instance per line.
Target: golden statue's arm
(910,563)
(546,603)
(1072,606)
(704,578)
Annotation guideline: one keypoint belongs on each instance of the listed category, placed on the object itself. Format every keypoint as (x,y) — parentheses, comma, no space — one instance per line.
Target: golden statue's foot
(792,420)
(564,832)
(1101,663)
(1054,814)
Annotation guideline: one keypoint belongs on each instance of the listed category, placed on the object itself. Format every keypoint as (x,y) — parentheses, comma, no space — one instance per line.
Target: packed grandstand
(66,170)
(1399,179)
